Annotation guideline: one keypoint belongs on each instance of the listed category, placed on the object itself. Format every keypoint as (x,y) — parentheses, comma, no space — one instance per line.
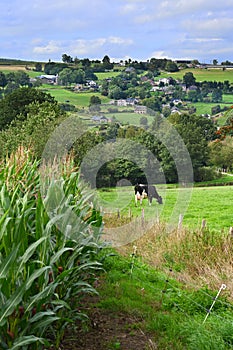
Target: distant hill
(12,61)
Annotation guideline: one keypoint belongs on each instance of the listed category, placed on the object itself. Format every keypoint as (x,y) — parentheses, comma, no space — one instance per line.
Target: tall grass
(197,257)
(44,272)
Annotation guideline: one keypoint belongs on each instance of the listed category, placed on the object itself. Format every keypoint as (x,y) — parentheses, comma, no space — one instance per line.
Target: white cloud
(51,48)
(213,27)
(203,40)
(81,47)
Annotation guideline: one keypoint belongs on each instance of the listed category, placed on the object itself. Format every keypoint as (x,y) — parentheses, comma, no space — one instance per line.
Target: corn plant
(48,261)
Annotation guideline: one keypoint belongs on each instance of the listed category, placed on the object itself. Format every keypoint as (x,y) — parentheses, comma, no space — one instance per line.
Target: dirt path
(107,330)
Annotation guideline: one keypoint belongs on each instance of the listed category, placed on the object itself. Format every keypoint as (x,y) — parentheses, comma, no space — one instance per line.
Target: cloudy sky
(138,29)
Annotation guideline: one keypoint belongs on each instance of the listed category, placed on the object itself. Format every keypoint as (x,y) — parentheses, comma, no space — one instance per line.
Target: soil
(107,330)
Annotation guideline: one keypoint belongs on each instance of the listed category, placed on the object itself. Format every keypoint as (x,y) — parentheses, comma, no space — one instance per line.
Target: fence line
(120,215)
(168,286)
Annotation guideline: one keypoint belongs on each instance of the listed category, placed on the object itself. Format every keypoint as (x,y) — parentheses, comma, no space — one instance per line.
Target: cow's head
(160,200)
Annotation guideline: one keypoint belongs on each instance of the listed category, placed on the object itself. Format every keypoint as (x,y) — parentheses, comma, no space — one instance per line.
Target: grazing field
(79,99)
(105,75)
(213,204)
(205,108)
(204,74)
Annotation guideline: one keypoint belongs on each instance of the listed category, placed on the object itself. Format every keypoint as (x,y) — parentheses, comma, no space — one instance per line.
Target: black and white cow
(146,191)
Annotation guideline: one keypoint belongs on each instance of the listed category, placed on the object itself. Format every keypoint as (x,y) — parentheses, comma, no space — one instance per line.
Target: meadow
(78,99)
(213,204)
(203,74)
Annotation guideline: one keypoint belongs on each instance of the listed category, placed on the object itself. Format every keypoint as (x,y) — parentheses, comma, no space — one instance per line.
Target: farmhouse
(140,109)
(48,79)
(99,119)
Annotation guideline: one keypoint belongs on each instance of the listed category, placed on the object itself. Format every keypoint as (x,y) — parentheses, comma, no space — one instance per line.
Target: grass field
(79,99)
(214,204)
(205,108)
(105,75)
(203,74)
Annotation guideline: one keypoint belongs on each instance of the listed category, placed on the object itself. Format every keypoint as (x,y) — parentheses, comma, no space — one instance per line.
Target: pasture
(213,204)
(79,99)
(203,74)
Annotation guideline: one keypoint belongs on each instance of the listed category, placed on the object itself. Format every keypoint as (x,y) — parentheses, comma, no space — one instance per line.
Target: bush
(206,174)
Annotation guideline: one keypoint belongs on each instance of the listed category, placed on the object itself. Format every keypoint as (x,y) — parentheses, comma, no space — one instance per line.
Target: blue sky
(138,29)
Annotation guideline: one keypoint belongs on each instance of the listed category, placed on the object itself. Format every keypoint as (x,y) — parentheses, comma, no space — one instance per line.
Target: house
(131,101)
(92,84)
(165,81)
(192,88)
(175,110)
(121,102)
(140,109)
(177,102)
(126,102)
(99,119)
(48,79)
(78,87)
(129,70)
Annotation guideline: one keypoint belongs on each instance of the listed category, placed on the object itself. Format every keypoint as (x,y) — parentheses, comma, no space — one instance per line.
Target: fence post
(118,213)
(143,216)
(231,231)
(180,221)
(157,216)
(223,286)
(203,224)
(130,214)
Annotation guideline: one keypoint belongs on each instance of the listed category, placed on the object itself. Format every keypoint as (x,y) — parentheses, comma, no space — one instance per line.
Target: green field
(213,204)
(79,99)
(105,75)
(203,74)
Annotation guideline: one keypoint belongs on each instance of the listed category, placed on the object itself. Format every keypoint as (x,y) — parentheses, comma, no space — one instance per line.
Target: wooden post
(157,216)
(180,221)
(203,224)
(130,214)
(118,213)
(143,216)
(231,231)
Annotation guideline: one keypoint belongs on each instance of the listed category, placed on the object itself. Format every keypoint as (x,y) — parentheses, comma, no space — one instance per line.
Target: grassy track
(214,204)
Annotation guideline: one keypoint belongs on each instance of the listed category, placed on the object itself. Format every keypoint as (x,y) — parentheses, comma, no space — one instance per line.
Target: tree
(10,87)
(144,121)
(66,76)
(22,78)
(215,62)
(38,67)
(66,58)
(216,95)
(16,103)
(196,132)
(171,67)
(32,131)
(221,154)
(106,63)
(94,100)
(3,80)
(189,79)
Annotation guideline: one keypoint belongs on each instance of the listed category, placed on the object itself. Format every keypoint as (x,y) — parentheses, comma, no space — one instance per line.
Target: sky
(43,30)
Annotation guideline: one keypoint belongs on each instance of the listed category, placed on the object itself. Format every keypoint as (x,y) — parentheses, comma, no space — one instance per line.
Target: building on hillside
(140,109)
(99,119)
(48,79)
